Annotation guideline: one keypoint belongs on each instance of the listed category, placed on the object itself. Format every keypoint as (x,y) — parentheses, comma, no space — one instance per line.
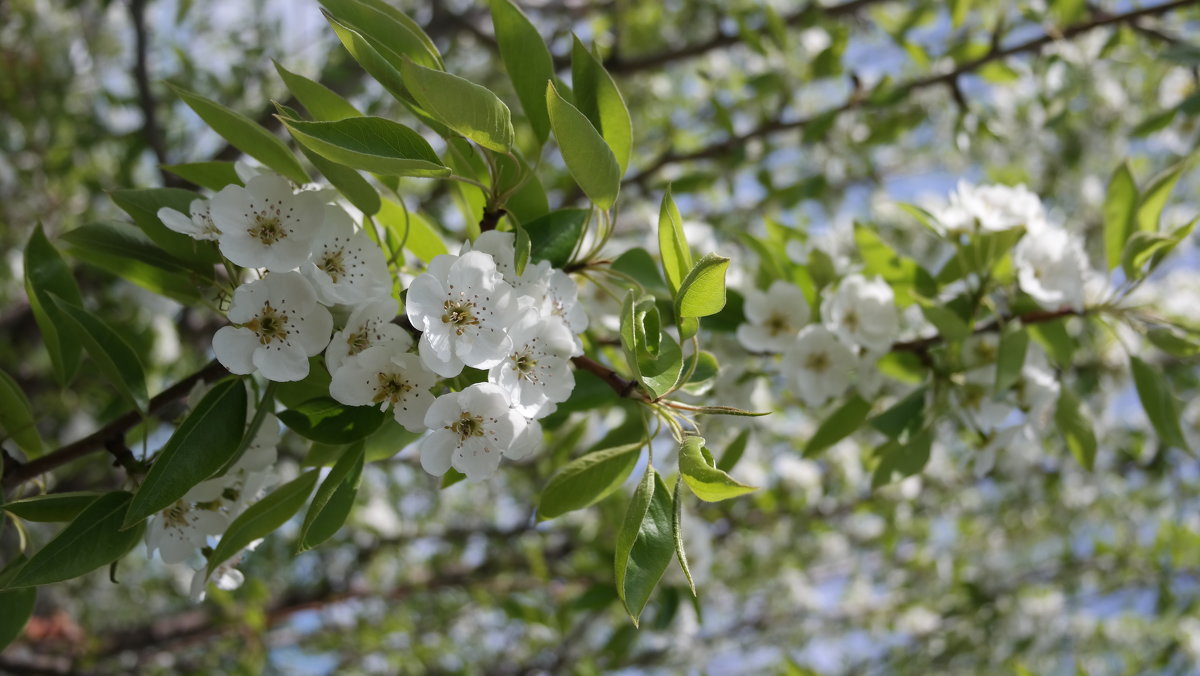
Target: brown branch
(996,53)
(621,385)
(923,345)
(141,76)
(111,433)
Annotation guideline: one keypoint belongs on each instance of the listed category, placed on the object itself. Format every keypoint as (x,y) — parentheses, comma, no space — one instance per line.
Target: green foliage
(370,144)
(333,500)
(325,420)
(588,479)
(47,276)
(645,543)
(51,507)
(528,62)
(588,157)
(467,108)
(700,473)
(597,97)
(115,359)
(263,518)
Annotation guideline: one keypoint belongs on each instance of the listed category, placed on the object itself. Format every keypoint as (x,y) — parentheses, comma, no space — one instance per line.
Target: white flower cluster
(180,532)
(472,309)
(859,324)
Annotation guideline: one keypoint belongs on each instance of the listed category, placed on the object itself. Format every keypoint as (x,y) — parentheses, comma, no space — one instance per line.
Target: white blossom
(819,365)
(1051,267)
(537,374)
(182,529)
(463,307)
(471,431)
(346,266)
(774,318)
(388,377)
(992,207)
(197,224)
(370,324)
(863,313)
(280,325)
(265,224)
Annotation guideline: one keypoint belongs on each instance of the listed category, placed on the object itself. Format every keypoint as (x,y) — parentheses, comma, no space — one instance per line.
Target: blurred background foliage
(807,114)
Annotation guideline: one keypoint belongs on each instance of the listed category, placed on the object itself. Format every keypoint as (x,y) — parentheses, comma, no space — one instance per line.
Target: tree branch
(622,386)
(111,433)
(996,53)
(141,76)
(923,345)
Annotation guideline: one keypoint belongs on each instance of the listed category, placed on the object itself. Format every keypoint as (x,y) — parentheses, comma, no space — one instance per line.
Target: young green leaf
(348,181)
(371,144)
(389,31)
(905,414)
(840,424)
(321,102)
(677,532)
(467,108)
(1154,198)
(1159,403)
(706,481)
(521,247)
(1120,205)
(553,237)
(588,158)
(263,518)
(597,97)
(95,538)
(333,500)
(51,507)
(587,479)
(702,292)
(202,444)
(906,460)
(244,134)
(214,174)
(46,275)
(527,60)
(949,325)
(127,253)
(114,358)
(659,373)
(735,451)
(645,543)
(1010,358)
(1076,427)
(672,243)
(16,417)
(367,54)
(329,422)
(18,608)
(1173,343)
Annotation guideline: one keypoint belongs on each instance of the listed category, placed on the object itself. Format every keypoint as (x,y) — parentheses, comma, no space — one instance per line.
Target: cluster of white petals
(991,208)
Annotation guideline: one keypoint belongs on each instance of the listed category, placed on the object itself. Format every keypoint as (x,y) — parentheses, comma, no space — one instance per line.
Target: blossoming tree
(460,328)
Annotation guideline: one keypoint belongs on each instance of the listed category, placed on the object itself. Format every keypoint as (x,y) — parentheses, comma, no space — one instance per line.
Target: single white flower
(773,318)
(281,325)
(198,224)
(863,312)
(819,365)
(346,266)
(537,374)
(463,307)
(369,325)
(386,376)
(182,529)
(1051,267)
(266,225)
(992,207)
(471,430)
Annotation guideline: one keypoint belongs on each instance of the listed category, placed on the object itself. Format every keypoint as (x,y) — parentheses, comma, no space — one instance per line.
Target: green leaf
(1173,343)
(1075,426)
(263,518)
(143,206)
(840,424)
(672,243)
(418,234)
(245,134)
(906,460)
(905,414)
(371,144)
(451,477)
(367,54)
(467,108)
(588,157)
(702,476)
(127,253)
(1010,358)
(735,451)
(659,373)
(645,543)
(1154,198)
(95,538)
(1146,250)
(597,97)
(46,275)
(115,359)
(677,532)
(1119,208)
(389,31)
(207,438)
(329,422)
(213,175)
(333,501)
(16,417)
(704,373)
(702,292)
(903,274)
(1159,403)
(587,479)
(52,507)
(554,237)
(527,61)
(946,321)
(321,102)
(347,181)
(521,248)
(1054,338)
(18,608)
